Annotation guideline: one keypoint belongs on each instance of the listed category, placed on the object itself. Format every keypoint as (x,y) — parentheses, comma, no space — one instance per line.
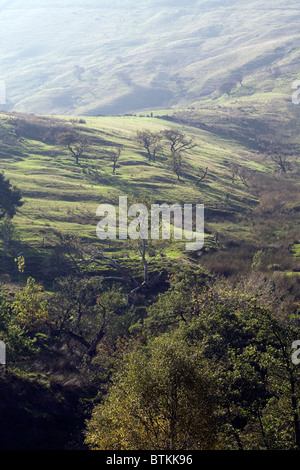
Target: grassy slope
(58,193)
(61,196)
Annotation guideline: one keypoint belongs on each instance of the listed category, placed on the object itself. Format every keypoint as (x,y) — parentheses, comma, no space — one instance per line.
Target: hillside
(241,188)
(129,56)
(130,345)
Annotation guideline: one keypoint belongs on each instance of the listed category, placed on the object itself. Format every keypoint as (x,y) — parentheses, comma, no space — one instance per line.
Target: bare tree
(178,141)
(243,174)
(114,156)
(281,159)
(202,175)
(75,143)
(176,163)
(240,172)
(277,153)
(124,276)
(150,141)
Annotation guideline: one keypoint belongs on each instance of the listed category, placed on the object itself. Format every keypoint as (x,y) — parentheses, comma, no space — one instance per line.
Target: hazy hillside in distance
(109,57)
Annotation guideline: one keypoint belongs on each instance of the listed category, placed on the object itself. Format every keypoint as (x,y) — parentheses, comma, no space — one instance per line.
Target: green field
(237,191)
(60,195)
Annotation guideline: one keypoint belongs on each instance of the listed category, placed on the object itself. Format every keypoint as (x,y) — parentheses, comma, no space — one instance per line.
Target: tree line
(194,362)
(204,365)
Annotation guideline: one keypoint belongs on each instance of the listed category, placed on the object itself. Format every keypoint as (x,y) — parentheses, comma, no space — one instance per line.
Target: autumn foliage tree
(161,399)
(30,308)
(247,340)
(18,342)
